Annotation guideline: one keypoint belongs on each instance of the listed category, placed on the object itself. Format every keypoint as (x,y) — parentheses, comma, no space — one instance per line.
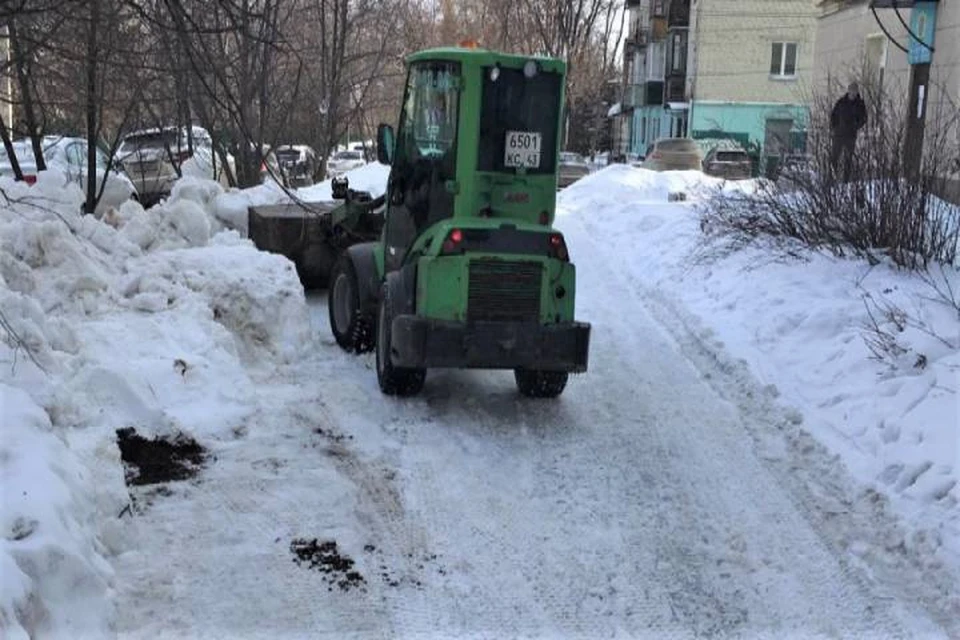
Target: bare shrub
(885,208)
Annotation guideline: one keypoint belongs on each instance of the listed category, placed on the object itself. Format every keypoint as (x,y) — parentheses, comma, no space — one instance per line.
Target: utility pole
(920,30)
(923,21)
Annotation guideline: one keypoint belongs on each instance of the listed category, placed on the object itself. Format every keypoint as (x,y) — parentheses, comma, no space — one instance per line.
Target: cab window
(426,155)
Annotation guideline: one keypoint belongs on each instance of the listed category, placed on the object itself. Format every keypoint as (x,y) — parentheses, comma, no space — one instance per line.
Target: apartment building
(751,67)
(655,67)
(735,69)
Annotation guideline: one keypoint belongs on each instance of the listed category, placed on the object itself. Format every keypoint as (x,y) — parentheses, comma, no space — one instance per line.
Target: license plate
(522,149)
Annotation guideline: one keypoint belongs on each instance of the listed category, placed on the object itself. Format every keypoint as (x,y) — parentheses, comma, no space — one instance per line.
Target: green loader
(468,271)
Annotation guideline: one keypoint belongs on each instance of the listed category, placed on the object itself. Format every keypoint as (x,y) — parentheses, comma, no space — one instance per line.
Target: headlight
(530,69)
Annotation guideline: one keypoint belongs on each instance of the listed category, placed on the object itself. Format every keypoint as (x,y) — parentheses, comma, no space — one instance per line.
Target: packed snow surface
(804,324)
(733,464)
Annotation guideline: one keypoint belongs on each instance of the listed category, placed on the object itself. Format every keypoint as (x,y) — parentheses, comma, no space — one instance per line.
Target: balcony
(638,39)
(675,89)
(677,52)
(652,92)
(633,96)
(679,14)
(658,29)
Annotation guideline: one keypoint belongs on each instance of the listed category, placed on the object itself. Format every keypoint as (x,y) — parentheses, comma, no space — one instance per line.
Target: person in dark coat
(847,118)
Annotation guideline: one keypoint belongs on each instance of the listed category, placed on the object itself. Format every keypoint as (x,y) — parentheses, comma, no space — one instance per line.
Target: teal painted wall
(747,121)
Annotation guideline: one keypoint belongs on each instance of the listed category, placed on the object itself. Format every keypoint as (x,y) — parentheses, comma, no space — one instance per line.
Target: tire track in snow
(538,523)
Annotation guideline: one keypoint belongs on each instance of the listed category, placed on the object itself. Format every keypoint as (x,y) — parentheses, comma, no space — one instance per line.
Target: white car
(69,155)
(151,158)
(343,161)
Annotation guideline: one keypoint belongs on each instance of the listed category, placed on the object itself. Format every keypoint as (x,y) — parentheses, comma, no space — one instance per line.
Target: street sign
(923,23)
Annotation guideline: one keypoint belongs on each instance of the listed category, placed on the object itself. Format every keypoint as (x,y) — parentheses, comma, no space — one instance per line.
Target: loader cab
(477,137)
(424,155)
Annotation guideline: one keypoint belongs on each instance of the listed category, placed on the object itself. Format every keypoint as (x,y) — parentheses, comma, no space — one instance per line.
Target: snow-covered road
(664,495)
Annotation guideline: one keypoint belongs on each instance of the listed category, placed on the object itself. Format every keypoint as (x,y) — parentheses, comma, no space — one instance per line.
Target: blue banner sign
(923,24)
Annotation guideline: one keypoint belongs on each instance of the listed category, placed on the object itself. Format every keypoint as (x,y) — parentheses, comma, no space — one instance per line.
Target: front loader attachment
(313,234)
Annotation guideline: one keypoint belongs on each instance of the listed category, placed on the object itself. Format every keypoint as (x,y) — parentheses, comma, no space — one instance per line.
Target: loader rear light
(558,248)
(30,179)
(452,243)
(183,156)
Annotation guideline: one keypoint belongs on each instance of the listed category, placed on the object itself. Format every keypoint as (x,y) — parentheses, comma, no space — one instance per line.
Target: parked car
(152,158)
(69,155)
(270,168)
(571,167)
(300,164)
(673,154)
(343,161)
(730,164)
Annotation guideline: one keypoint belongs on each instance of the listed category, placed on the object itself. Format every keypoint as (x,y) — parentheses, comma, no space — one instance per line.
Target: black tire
(394,381)
(540,384)
(352,328)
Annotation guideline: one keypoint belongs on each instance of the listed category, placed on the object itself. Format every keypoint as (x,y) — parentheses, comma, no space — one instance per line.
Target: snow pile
(147,319)
(810,327)
(256,296)
(52,576)
(646,186)
(370,177)
(230,208)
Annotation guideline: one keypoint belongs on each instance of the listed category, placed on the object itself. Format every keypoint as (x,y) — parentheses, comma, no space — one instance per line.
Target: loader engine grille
(504,291)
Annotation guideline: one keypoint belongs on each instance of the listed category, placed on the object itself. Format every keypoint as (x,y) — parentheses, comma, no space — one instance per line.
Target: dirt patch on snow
(158,460)
(325,558)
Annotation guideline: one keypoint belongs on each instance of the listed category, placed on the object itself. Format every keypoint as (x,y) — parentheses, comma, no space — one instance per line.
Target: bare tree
(22,54)
(11,154)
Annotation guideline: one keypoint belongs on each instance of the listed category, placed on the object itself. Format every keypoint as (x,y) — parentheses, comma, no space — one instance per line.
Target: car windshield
(519,119)
(153,140)
(571,158)
(732,156)
(288,155)
(348,155)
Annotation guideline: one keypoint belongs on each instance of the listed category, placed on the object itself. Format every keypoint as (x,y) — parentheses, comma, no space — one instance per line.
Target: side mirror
(385,142)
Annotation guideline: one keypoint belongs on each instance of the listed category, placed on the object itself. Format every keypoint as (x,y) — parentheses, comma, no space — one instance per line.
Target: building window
(678,53)
(783,60)
(875,52)
(656,61)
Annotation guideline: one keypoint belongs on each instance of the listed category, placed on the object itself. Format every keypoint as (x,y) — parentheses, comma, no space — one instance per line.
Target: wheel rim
(342,301)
